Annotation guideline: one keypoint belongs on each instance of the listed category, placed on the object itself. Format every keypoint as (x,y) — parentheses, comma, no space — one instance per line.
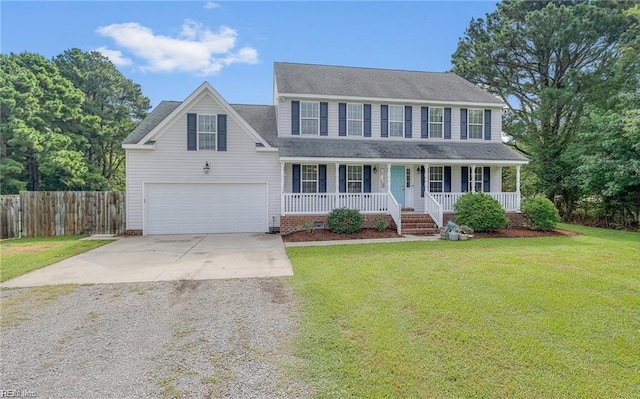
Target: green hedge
(539,213)
(481,212)
(345,220)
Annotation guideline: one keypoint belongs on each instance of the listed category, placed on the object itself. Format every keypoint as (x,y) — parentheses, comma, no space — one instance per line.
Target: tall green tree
(113,106)
(37,105)
(547,60)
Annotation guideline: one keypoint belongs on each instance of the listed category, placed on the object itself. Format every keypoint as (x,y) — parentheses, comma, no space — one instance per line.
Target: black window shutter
(295,117)
(447,179)
(487,124)
(424,124)
(384,121)
(222,132)
(367,178)
(408,110)
(367,120)
(464,180)
(486,179)
(463,123)
(324,119)
(322,178)
(422,181)
(447,123)
(192,132)
(342,119)
(342,177)
(295,178)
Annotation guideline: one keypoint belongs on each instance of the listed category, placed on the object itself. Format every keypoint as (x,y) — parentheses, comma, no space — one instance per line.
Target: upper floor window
(206,132)
(309,117)
(396,121)
(479,180)
(436,179)
(354,178)
(309,178)
(476,123)
(436,122)
(354,119)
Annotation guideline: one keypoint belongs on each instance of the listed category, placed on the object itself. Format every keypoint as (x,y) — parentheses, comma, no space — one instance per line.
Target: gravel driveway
(207,339)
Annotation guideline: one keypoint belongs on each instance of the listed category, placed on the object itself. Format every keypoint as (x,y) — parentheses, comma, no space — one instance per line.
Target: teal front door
(397,183)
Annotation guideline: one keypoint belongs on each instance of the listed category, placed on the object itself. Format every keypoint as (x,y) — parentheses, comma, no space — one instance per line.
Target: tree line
(569,72)
(63,120)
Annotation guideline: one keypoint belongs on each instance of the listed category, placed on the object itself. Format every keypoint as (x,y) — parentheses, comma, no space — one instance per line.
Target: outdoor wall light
(206,168)
(375,169)
(419,170)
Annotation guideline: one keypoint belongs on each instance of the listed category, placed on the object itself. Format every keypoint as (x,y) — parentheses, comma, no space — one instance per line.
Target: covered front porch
(313,187)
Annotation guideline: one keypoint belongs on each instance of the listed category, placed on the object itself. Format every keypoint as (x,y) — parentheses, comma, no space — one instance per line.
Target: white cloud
(114,56)
(210,5)
(196,49)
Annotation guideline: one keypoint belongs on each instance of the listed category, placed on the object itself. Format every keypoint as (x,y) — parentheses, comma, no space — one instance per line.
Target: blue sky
(170,48)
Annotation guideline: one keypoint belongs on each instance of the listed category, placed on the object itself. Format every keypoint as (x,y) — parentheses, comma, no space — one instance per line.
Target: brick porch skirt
(515,218)
(292,223)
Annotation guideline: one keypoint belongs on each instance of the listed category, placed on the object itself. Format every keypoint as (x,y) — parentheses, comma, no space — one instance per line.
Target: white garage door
(173,208)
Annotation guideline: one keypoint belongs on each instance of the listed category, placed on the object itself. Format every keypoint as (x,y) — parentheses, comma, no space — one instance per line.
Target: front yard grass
(555,317)
(20,256)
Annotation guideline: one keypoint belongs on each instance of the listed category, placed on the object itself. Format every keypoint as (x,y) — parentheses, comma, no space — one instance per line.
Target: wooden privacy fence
(9,216)
(59,213)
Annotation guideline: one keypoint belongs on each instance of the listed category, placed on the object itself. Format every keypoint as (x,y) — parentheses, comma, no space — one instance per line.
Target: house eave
(139,146)
(284,96)
(405,160)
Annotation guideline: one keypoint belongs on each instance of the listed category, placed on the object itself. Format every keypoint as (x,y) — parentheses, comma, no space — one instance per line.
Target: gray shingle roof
(262,118)
(152,120)
(387,149)
(377,83)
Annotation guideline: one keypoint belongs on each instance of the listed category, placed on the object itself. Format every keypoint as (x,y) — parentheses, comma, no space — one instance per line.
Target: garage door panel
(205,208)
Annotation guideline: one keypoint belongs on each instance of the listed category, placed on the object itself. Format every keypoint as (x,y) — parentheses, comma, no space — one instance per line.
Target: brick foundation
(515,218)
(292,223)
(133,232)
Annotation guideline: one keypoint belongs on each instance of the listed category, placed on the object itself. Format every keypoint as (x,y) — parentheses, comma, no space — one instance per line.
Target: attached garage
(195,208)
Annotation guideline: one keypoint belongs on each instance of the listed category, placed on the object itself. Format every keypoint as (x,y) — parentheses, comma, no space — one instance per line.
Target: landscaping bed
(523,232)
(328,235)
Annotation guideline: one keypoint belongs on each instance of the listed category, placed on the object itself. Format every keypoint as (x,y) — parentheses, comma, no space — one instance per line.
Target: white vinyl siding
(171,162)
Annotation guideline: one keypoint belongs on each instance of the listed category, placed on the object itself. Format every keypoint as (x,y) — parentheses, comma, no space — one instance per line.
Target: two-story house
(399,143)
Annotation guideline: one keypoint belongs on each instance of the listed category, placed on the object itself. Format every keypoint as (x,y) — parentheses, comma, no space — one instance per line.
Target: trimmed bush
(539,213)
(345,220)
(481,212)
(381,222)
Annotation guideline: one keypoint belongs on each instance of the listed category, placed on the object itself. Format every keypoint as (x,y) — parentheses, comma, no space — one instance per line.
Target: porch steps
(418,224)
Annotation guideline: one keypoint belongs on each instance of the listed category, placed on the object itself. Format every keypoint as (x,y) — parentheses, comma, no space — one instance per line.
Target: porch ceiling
(398,150)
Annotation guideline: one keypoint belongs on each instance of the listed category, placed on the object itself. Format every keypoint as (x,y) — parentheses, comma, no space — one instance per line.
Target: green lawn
(486,318)
(23,255)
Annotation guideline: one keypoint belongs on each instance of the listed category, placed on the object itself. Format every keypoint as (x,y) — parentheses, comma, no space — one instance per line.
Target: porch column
(518,187)
(281,188)
(337,200)
(473,178)
(389,177)
(426,179)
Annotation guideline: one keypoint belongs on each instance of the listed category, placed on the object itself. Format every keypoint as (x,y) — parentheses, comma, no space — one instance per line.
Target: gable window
(206,132)
(309,178)
(309,117)
(354,119)
(354,178)
(396,121)
(436,179)
(476,123)
(436,122)
(478,183)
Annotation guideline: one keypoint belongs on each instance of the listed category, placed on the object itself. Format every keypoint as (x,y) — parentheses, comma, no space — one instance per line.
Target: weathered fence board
(59,213)
(9,216)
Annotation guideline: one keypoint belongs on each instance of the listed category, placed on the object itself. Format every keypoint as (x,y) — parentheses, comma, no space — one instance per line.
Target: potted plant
(444,233)
(465,232)
(453,231)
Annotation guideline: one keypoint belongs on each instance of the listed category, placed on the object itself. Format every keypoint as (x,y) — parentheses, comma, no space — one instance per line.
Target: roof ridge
(356,67)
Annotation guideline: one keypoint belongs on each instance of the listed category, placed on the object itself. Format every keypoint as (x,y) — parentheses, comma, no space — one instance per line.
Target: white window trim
(348,180)
(303,180)
(361,120)
(428,188)
(470,184)
(436,123)
(389,121)
(215,132)
(469,124)
(306,118)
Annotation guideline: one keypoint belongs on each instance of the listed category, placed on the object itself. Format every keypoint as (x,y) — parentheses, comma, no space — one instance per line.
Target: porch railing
(509,201)
(300,204)
(395,210)
(433,208)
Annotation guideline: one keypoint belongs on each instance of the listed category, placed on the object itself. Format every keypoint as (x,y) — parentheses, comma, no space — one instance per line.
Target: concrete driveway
(167,258)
